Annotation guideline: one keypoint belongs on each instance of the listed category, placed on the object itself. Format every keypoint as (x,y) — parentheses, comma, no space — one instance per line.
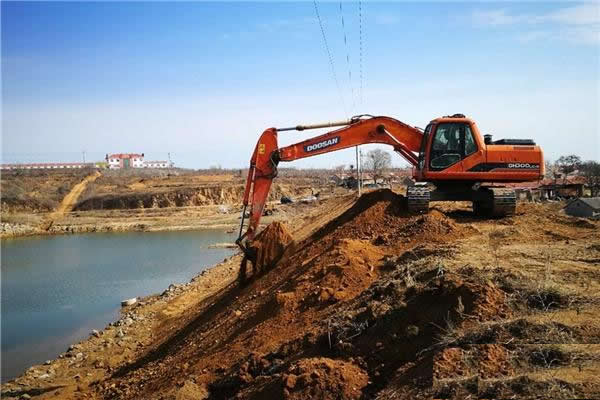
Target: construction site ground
(367,302)
(49,202)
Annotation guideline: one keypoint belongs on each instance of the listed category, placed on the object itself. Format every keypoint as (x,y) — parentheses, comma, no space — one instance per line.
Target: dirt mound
(323,378)
(340,273)
(267,249)
(391,323)
(449,363)
(434,226)
(270,245)
(326,318)
(494,361)
(382,217)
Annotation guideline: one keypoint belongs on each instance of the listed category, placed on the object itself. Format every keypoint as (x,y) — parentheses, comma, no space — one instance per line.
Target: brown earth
(68,202)
(139,200)
(369,303)
(266,250)
(36,191)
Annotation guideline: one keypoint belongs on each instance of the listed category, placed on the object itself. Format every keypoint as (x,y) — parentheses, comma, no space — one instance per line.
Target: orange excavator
(450,154)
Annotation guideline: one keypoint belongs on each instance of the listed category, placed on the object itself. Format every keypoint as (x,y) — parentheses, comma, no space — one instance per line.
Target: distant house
(337,179)
(347,181)
(568,186)
(125,160)
(350,182)
(584,207)
(530,191)
(156,164)
(133,160)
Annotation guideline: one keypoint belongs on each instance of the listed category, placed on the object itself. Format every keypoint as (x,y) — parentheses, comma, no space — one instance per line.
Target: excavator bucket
(266,250)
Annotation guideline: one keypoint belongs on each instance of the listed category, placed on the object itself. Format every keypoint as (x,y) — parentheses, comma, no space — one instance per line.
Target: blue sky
(202,80)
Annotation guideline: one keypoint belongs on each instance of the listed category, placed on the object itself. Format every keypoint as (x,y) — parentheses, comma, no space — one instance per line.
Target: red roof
(569,180)
(125,155)
(525,185)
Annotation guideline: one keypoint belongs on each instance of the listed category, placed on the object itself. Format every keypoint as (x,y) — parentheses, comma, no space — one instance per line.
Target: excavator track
(418,199)
(504,202)
(498,202)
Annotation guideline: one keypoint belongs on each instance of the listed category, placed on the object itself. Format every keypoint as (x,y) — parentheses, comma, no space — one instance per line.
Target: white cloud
(582,35)
(533,36)
(578,24)
(495,18)
(584,14)
(386,19)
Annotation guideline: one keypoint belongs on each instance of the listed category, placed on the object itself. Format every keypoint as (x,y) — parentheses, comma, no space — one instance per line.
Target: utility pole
(83,152)
(360,170)
(357,171)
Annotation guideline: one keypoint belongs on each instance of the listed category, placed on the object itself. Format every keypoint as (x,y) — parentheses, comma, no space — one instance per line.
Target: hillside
(140,200)
(367,303)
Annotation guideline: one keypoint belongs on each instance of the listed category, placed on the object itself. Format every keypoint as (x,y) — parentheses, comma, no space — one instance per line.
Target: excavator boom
(405,139)
(450,154)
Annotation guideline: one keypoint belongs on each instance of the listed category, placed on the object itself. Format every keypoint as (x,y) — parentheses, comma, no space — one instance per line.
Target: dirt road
(68,202)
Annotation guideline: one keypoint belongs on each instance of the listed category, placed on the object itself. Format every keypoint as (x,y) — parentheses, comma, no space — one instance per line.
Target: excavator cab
(460,165)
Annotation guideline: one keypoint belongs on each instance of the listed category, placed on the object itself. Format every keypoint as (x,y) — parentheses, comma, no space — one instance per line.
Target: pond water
(56,289)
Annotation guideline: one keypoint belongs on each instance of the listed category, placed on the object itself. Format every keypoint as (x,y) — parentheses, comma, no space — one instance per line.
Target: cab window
(470,145)
(451,143)
(423,146)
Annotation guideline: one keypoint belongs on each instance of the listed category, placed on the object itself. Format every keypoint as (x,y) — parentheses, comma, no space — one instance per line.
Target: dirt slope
(70,199)
(376,304)
(68,202)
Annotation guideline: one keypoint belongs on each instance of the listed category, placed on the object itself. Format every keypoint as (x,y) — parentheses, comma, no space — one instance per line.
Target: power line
(337,84)
(347,57)
(360,57)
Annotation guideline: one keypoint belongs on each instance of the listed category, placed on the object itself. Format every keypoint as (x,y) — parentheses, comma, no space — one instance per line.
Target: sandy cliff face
(181,197)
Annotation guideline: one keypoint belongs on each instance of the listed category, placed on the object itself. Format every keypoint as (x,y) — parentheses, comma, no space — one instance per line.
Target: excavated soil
(267,249)
(281,314)
(323,378)
(378,304)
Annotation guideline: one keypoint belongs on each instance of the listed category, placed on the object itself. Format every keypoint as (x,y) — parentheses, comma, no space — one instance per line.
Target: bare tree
(568,164)
(377,162)
(591,171)
(551,169)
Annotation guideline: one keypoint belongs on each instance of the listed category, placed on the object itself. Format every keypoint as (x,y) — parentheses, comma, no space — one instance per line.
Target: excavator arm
(405,139)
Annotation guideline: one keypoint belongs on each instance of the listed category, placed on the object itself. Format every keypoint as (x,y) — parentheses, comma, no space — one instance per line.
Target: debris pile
(323,378)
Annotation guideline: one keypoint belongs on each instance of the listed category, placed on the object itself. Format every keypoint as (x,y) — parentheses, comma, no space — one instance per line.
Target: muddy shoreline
(29,231)
(98,356)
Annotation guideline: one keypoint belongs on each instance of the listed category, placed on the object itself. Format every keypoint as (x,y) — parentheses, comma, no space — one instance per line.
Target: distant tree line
(571,163)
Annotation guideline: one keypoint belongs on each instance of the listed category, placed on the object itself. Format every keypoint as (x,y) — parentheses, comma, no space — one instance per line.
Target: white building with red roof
(133,160)
(125,160)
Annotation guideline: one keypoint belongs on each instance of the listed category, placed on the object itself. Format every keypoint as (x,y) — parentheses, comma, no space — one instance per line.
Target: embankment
(222,194)
(373,303)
